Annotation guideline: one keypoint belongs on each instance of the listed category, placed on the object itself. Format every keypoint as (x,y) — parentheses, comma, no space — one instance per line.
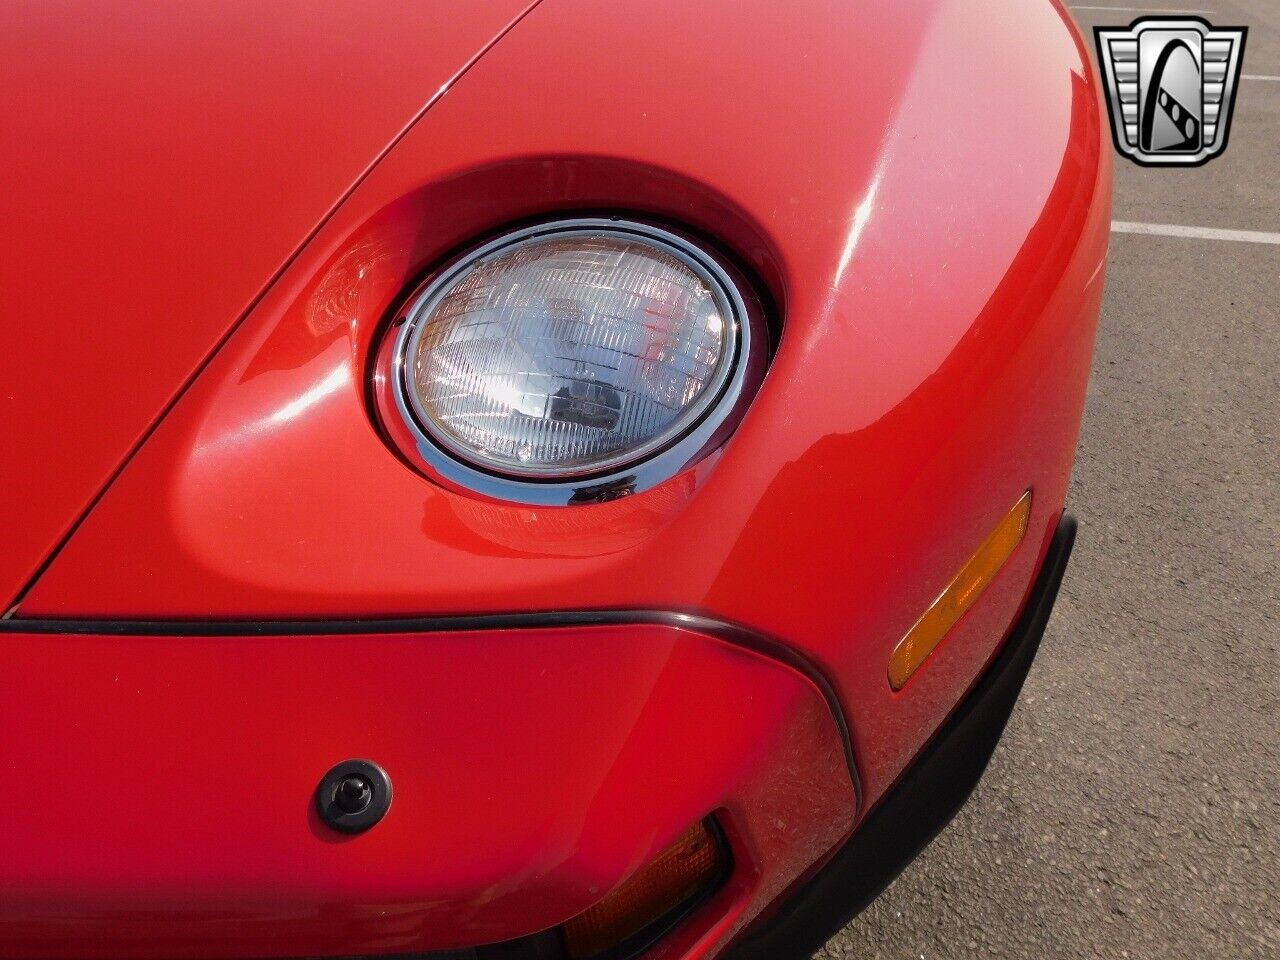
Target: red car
(521,479)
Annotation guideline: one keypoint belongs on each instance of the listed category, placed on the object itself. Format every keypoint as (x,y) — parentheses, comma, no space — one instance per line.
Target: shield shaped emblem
(1171,86)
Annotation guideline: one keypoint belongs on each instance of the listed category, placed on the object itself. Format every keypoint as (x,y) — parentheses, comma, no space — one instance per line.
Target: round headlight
(571,351)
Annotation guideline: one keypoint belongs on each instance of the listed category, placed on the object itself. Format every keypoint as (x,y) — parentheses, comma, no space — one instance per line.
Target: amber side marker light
(653,900)
(974,577)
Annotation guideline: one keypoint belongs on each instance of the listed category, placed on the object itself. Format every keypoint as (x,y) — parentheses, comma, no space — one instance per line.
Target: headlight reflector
(568,351)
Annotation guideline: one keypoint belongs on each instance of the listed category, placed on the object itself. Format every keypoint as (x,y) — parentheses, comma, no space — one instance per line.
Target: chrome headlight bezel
(714,415)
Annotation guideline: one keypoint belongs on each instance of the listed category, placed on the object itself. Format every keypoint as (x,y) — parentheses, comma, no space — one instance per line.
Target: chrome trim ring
(716,410)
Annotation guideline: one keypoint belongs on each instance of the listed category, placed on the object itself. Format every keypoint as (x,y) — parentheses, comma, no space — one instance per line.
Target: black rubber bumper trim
(723,630)
(916,809)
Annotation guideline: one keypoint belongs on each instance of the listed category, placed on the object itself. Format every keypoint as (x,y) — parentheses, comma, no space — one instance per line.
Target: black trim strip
(732,633)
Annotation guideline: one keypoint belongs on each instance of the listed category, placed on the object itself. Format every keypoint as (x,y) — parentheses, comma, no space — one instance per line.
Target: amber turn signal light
(974,577)
(653,899)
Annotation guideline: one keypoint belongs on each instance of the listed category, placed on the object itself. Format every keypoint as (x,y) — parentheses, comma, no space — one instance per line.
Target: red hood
(160,166)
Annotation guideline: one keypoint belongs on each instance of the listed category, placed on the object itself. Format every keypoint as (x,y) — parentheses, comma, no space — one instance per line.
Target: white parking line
(1081,6)
(1259,76)
(1194,233)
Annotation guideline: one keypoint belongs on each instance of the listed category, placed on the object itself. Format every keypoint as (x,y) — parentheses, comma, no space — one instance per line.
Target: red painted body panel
(938,318)
(931,225)
(161,162)
(533,770)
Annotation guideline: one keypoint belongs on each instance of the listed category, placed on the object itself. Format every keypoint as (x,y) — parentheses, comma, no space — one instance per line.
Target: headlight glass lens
(568,352)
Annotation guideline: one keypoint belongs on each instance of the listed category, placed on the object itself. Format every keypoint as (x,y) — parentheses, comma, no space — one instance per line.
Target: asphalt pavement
(1133,807)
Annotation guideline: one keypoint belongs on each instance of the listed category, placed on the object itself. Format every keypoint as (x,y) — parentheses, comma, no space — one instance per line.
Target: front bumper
(166,777)
(923,801)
